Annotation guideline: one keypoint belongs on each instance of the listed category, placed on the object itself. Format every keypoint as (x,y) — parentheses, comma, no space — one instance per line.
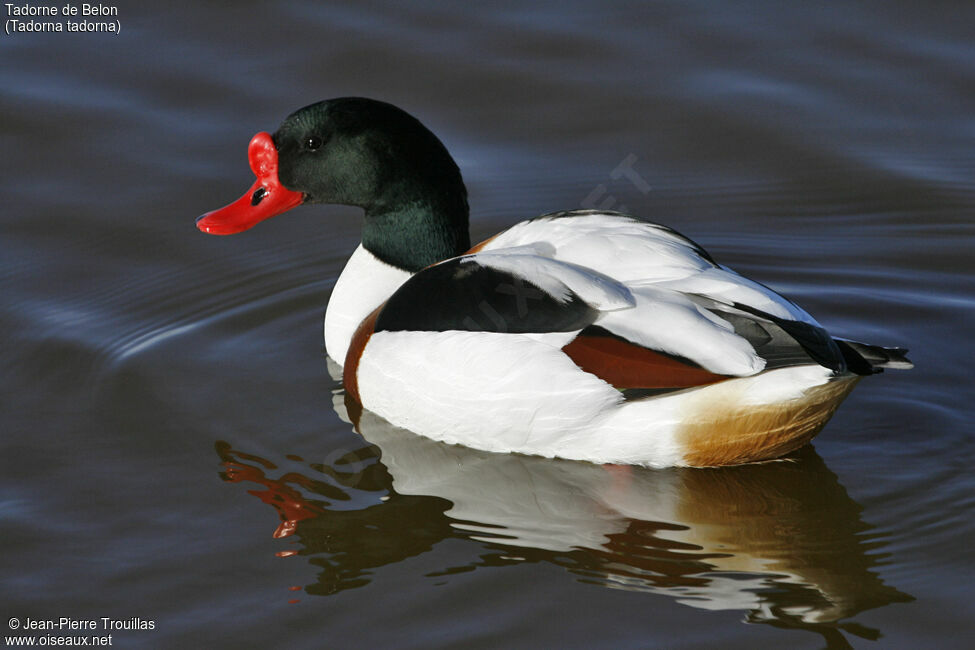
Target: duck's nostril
(258,195)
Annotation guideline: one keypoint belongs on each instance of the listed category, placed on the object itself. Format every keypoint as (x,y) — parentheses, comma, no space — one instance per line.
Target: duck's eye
(313,143)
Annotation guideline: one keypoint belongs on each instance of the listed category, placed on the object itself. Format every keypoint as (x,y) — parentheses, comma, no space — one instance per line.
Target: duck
(587,335)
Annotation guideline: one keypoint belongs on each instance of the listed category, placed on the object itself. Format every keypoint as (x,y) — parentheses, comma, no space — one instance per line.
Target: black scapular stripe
(461,294)
(866,359)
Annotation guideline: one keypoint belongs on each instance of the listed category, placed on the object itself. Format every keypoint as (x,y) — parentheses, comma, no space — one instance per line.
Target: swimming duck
(586,334)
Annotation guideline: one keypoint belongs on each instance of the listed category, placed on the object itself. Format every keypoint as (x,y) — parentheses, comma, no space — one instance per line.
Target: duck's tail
(866,359)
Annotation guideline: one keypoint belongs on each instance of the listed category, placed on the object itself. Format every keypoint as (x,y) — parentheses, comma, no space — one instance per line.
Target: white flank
(512,393)
(498,392)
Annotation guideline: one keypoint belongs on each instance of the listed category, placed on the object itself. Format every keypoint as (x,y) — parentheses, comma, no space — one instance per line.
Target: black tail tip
(866,359)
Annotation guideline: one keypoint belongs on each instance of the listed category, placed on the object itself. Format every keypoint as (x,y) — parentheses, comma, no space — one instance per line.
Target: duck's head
(360,152)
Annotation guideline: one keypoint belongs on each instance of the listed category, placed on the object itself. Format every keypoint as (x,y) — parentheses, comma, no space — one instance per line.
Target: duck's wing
(687,305)
(637,253)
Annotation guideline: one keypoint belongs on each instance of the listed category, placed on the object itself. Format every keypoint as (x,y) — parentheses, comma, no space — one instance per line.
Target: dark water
(167,407)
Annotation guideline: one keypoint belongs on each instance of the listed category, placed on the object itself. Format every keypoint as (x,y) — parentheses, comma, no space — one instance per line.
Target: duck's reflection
(780,541)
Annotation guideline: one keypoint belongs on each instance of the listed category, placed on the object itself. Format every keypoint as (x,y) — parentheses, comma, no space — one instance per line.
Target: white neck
(364,284)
